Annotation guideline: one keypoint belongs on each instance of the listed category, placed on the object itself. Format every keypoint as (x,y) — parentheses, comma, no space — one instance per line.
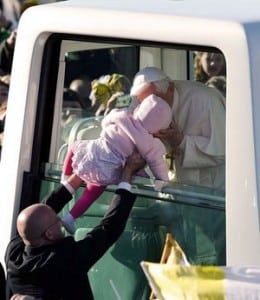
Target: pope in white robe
(199,116)
(196,138)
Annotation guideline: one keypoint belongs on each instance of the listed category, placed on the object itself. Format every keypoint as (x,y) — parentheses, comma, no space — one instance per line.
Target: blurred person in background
(210,69)
(7,41)
(13,9)
(82,86)
(72,111)
(9,17)
(5,26)
(207,64)
(7,52)
(4,89)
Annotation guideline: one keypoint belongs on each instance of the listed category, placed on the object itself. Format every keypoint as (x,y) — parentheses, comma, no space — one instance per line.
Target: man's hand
(75,181)
(172,135)
(134,163)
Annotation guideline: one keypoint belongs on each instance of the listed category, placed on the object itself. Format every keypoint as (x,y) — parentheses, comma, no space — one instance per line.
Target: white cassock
(200,114)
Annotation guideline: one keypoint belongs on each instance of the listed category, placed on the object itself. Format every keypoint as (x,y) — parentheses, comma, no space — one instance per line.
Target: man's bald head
(35,222)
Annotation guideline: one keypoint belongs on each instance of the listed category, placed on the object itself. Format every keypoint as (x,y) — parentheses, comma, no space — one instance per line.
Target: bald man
(41,262)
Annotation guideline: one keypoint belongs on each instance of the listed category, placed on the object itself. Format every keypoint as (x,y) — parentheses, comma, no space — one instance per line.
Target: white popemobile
(122,37)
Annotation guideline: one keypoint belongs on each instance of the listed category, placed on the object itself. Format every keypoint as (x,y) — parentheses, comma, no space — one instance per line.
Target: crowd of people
(7,42)
(10,13)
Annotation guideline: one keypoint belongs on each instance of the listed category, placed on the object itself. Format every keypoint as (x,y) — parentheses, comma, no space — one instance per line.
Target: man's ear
(49,235)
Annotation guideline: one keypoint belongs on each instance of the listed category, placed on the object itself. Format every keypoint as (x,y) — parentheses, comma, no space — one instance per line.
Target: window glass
(90,74)
(93,73)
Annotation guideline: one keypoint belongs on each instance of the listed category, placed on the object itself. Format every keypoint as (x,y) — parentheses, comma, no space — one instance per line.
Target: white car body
(230,26)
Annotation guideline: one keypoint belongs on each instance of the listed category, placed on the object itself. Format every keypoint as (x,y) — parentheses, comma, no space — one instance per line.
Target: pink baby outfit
(100,161)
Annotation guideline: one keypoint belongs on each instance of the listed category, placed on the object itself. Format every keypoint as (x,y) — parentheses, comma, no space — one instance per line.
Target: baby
(99,162)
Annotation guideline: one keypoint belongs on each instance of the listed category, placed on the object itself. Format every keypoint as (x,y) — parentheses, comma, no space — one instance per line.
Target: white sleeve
(124,185)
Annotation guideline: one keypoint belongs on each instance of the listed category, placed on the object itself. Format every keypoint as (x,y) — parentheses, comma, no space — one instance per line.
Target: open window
(194,213)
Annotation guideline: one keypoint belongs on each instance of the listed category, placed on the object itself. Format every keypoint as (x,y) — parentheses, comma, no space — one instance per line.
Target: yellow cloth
(101,91)
(170,282)
(115,83)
